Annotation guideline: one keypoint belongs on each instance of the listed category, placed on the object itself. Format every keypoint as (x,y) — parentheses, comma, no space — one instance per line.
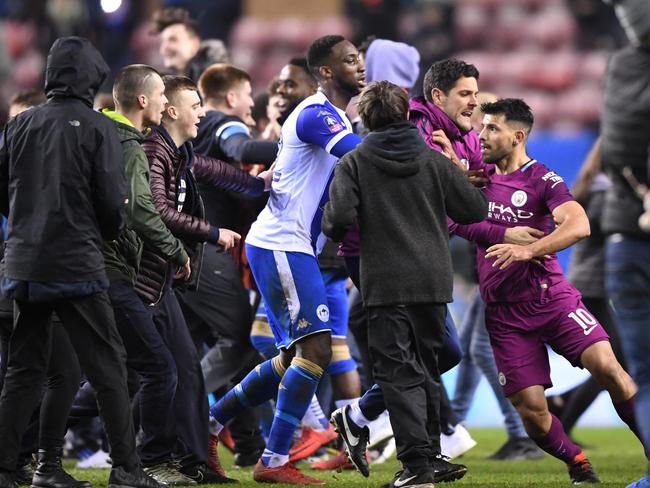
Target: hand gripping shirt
(526,197)
(314,137)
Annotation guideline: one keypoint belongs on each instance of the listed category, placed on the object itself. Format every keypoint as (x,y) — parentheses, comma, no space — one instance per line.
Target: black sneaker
(355,438)
(517,449)
(134,478)
(408,479)
(204,475)
(247,459)
(446,471)
(582,472)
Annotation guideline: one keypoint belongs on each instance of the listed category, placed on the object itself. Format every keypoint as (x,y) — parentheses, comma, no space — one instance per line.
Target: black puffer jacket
(625,132)
(169,165)
(62,183)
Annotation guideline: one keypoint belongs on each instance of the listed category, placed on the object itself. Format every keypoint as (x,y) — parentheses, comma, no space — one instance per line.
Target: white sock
(314,417)
(274,460)
(356,415)
(215,426)
(346,401)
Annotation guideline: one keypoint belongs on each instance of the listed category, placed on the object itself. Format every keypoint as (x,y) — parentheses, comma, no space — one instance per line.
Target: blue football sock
(295,393)
(258,386)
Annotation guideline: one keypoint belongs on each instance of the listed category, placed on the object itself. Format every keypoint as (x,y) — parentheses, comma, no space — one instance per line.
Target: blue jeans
(628,286)
(478,360)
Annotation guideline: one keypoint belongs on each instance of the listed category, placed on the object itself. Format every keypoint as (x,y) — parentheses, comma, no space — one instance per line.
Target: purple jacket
(429,118)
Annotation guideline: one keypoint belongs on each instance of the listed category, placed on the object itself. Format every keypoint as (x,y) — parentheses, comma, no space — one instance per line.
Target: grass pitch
(615,453)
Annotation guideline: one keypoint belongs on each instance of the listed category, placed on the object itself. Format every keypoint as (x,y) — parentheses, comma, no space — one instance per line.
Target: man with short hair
(139,95)
(63,190)
(181,47)
(282,247)
(405,292)
(529,302)
(219,312)
(175,170)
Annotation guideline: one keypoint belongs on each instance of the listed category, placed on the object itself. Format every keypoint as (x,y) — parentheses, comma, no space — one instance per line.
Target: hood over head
(396,62)
(394,148)
(75,68)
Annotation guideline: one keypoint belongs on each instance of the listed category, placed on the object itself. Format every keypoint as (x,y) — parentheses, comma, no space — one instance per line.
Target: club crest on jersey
(519,198)
(323,312)
(332,124)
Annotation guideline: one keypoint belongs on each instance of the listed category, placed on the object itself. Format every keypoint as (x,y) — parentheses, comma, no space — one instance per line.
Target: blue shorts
(293,291)
(337,301)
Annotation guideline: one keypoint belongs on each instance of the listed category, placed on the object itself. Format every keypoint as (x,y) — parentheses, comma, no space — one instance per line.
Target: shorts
(519,333)
(337,301)
(293,291)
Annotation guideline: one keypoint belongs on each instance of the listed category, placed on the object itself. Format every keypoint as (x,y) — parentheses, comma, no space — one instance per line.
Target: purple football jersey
(526,197)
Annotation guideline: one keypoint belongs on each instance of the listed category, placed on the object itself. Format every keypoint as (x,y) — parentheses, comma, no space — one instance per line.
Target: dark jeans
(219,314)
(628,285)
(151,359)
(403,343)
(91,329)
(190,407)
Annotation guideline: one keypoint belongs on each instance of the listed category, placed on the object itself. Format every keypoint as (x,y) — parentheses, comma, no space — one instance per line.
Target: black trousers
(190,408)
(219,314)
(403,343)
(91,329)
(149,356)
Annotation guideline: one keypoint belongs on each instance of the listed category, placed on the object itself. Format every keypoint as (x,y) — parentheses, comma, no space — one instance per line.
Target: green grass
(615,454)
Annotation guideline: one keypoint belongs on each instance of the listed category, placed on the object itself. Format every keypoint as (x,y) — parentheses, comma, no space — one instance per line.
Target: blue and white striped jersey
(314,137)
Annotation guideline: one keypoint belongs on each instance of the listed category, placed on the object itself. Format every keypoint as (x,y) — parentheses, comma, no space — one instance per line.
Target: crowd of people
(175,242)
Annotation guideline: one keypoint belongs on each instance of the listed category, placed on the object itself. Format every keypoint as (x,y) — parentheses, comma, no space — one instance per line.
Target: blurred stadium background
(552,53)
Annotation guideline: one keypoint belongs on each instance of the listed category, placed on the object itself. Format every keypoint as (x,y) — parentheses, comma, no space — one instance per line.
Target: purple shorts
(519,331)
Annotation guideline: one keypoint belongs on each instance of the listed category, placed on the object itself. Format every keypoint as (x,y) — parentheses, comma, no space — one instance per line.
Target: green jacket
(144,225)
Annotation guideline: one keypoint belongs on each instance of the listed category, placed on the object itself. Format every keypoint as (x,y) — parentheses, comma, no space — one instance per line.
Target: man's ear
(437,96)
(520,137)
(171,112)
(231,98)
(325,72)
(142,101)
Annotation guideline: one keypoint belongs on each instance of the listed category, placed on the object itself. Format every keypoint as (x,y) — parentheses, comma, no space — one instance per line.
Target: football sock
(314,417)
(295,392)
(557,443)
(260,385)
(625,410)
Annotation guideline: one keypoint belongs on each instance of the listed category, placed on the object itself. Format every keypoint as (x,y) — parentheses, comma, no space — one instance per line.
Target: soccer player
(529,303)
(282,247)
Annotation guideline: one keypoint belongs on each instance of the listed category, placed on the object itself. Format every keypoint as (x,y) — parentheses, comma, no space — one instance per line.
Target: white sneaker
(100,459)
(380,430)
(386,453)
(456,444)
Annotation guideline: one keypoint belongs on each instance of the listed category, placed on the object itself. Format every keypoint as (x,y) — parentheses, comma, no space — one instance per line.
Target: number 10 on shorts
(584,320)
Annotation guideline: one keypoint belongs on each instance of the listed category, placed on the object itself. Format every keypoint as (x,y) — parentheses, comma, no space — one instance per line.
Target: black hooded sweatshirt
(401,191)
(62,184)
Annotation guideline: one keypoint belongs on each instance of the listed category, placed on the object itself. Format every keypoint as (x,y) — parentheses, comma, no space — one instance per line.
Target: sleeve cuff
(213,236)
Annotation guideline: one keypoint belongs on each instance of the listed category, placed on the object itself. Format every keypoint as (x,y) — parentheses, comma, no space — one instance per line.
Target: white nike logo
(588,331)
(352,440)
(399,482)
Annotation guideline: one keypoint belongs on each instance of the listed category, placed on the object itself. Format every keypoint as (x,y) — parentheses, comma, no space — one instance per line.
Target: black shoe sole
(450,475)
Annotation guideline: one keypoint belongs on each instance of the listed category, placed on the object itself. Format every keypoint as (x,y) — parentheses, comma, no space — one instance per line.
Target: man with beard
(282,247)
(529,302)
